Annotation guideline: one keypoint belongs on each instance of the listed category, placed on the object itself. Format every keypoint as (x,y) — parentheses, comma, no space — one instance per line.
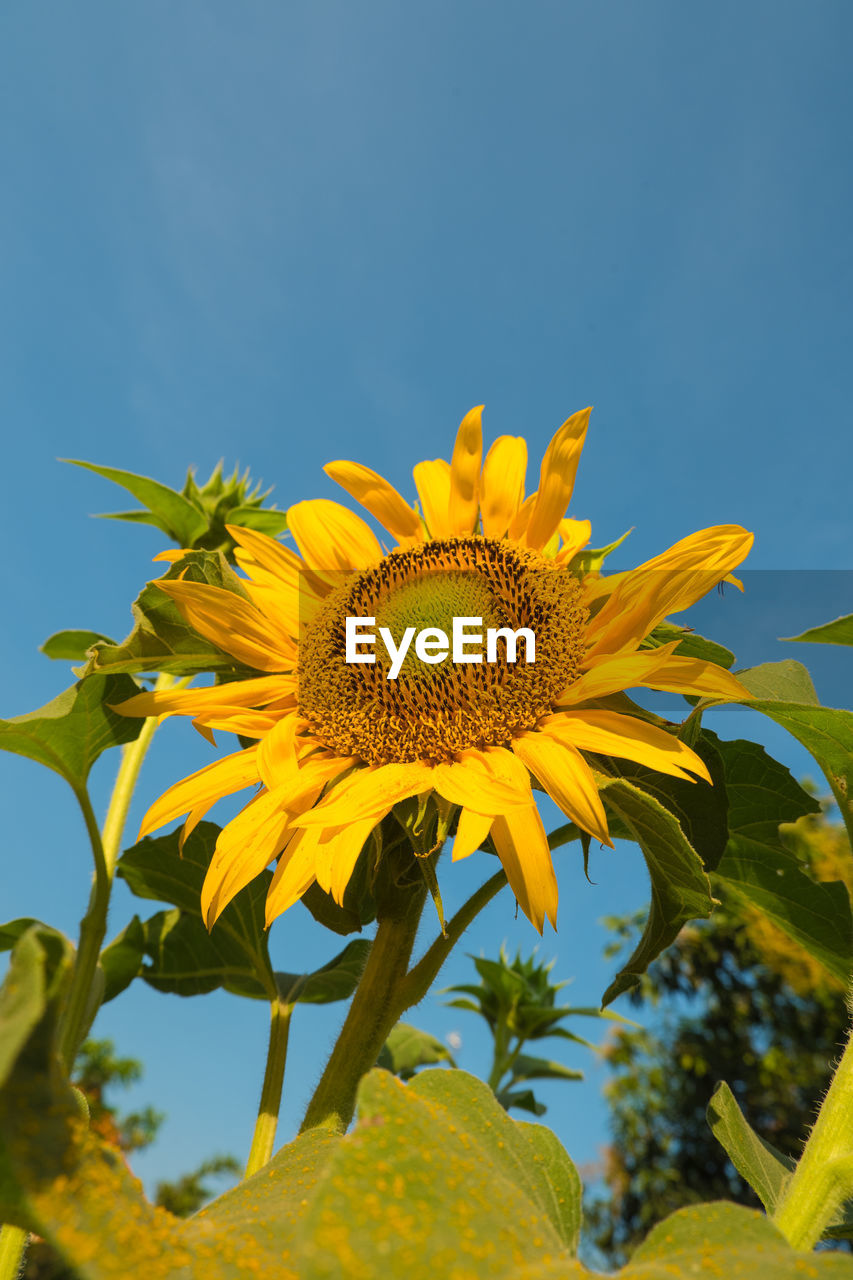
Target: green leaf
(336,980)
(121,959)
(38,972)
(162,640)
(408,1048)
(758,1162)
(759,870)
(838,632)
(265,521)
(522,1100)
(591,560)
(183,521)
(827,732)
(529,1068)
(728,1241)
(437,1180)
(680,887)
(786,681)
(358,907)
(72,646)
(69,733)
(690,644)
(14,929)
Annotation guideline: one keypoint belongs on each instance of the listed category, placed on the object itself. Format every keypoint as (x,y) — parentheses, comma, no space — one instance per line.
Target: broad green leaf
(175,514)
(526,1067)
(759,870)
(522,1100)
(38,971)
(162,640)
(436,1180)
(786,681)
(335,980)
(263,520)
(72,646)
(758,1162)
(121,959)
(69,733)
(408,1048)
(14,929)
(838,632)
(827,732)
(680,887)
(728,1241)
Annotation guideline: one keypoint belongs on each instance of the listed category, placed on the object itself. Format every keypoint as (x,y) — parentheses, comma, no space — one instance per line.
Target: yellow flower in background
(338,743)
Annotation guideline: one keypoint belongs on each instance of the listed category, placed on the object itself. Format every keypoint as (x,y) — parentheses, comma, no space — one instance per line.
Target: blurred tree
(738,1001)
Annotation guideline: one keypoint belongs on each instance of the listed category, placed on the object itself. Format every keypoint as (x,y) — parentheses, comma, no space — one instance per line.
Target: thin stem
(422,975)
(267,1121)
(83,992)
(823,1178)
(375,1008)
(13,1242)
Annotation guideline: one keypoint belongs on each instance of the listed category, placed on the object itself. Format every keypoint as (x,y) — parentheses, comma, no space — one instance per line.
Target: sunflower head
(340,740)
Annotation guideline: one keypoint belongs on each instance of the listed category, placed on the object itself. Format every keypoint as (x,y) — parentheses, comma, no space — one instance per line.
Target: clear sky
(283,234)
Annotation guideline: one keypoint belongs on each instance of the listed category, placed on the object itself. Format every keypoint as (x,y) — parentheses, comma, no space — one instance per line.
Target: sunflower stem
(266,1124)
(375,1008)
(83,992)
(823,1178)
(13,1242)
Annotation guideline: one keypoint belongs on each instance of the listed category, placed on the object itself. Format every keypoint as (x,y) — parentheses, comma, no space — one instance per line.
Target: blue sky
(286,234)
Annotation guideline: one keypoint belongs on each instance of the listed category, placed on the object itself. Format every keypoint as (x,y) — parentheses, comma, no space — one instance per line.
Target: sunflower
(337,744)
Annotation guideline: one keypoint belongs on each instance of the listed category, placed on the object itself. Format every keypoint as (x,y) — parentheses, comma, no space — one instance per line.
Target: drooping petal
(557,480)
(246,846)
(380,498)
(566,776)
(470,833)
(691,675)
(574,536)
(336,855)
(206,786)
(192,702)
(627,737)
(332,537)
(613,672)
(432,481)
(234,624)
(521,519)
(502,484)
(477,781)
(294,874)
(465,474)
(522,847)
(666,584)
(368,792)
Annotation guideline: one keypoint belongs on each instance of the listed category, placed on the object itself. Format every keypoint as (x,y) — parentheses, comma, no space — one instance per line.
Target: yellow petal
(557,479)
(191,702)
(666,584)
(691,675)
(470,833)
(432,481)
(566,776)
(367,793)
(465,474)
(574,536)
(612,673)
(331,537)
(611,734)
(294,874)
(521,519)
(523,850)
(380,498)
(263,553)
(245,847)
(475,781)
(336,855)
(502,484)
(206,786)
(172,554)
(234,624)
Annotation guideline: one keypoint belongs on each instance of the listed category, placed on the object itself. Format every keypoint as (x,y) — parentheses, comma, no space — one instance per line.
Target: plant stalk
(263,1139)
(375,1008)
(13,1242)
(823,1178)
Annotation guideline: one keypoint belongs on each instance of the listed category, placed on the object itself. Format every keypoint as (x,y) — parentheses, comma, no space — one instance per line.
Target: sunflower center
(433,710)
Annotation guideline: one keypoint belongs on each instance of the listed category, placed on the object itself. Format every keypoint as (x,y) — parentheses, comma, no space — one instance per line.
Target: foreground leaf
(759,870)
(681,890)
(69,733)
(758,1162)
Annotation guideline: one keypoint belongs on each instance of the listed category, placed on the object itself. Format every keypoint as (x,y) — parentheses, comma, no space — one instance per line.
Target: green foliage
(162,639)
(184,959)
(680,887)
(745,1023)
(407,1048)
(72,646)
(690,645)
(196,517)
(121,959)
(69,733)
(838,632)
(516,998)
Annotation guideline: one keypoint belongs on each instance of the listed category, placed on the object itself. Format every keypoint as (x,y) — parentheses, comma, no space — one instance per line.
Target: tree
(737,1001)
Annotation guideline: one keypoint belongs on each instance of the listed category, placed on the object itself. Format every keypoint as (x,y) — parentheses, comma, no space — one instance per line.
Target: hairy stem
(823,1178)
(13,1242)
(263,1139)
(375,1008)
